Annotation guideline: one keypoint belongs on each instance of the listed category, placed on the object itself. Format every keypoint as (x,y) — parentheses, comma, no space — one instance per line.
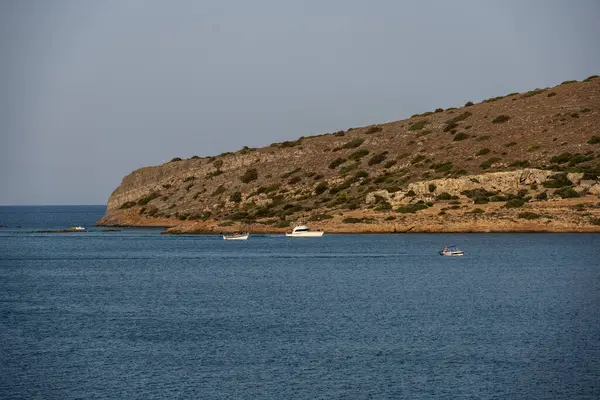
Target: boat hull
(305,234)
(451,253)
(239,237)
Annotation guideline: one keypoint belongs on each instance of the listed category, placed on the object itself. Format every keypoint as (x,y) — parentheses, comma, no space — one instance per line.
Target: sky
(91,90)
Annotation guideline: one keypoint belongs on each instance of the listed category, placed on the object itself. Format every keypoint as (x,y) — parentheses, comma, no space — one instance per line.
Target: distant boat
(303,231)
(236,236)
(451,251)
(78,228)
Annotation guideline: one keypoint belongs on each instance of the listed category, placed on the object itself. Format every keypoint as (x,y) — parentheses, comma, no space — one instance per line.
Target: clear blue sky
(90,90)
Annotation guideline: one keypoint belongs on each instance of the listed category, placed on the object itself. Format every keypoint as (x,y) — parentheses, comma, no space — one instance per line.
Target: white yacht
(452,251)
(236,236)
(303,231)
(78,228)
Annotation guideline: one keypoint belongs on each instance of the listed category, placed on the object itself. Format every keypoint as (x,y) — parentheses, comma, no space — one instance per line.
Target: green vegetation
(542,196)
(475,211)
(344,170)
(358,154)
(557,181)
(352,220)
(127,204)
(488,163)
(458,118)
(500,119)
(188,179)
(446,196)
(432,187)
(378,158)
(337,162)
(373,129)
(250,175)
(520,164)
(566,192)
(411,208)
(236,197)
(468,104)
(594,140)
(147,199)
(294,180)
(292,172)
(483,152)
(510,144)
(415,126)
(590,78)
(482,138)
(442,167)
(354,143)
(460,136)
(551,94)
(532,93)
(568,82)
(390,164)
(515,203)
(175,159)
(528,215)
(418,159)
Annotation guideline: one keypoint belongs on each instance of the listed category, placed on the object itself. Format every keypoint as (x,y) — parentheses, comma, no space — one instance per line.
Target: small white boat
(452,251)
(303,231)
(78,228)
(236,236)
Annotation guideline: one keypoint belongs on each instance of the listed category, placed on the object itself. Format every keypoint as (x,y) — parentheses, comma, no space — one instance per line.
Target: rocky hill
(521,162)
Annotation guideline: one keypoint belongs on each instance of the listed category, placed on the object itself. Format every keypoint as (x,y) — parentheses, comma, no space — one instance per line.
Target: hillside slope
(526,161)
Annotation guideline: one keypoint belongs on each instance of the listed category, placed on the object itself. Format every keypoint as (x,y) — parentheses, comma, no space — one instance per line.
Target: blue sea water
(137,314)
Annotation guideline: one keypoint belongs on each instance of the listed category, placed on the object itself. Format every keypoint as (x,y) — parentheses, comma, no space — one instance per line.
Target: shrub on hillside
(411,208)
(594,140)
(147,199)
(176,159)
(528,215)
(515,203)
(488,163)
(236,197)
(358,154)
(458,118)
(446,196)
(566,192)
(250,175)
(127,204)
(468,104)
(557,181)
(378,158)
(337,162)
(373,129)
(353,143)
(500,119)
(460,136)
(415,126)
(294,180)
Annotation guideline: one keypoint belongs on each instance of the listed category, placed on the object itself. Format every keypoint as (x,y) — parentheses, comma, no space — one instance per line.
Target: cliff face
(540,150)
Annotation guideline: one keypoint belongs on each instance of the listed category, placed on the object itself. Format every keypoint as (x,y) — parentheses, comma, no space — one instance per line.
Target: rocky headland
(524,162)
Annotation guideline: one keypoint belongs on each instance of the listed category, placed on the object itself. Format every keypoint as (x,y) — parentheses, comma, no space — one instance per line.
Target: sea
(136,314)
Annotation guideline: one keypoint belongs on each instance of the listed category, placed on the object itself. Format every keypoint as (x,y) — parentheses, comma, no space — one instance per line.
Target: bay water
(137,314)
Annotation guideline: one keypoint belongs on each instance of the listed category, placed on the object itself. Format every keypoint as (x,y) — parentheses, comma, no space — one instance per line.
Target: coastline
(577,215)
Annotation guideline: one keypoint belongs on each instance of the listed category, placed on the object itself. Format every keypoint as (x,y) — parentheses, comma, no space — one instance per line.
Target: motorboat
(452,251)
(236,236)
(78,228)
(304,231)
